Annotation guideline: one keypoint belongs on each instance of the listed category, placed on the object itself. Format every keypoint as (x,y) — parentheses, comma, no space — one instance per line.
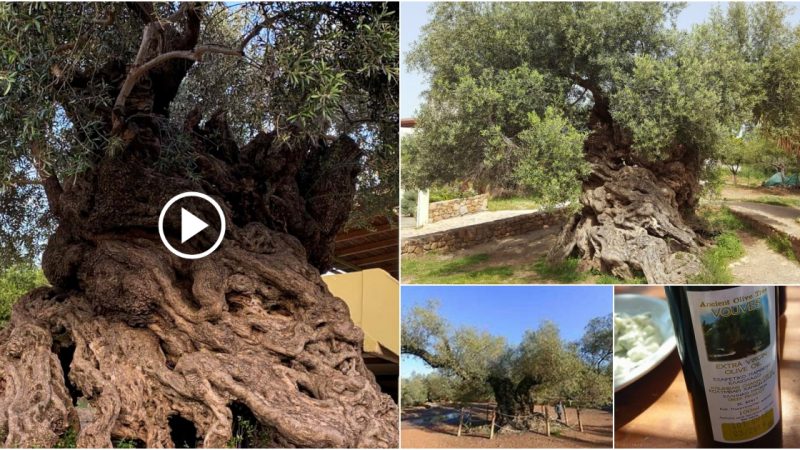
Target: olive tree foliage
(321,68)
(564,55)
(414,392)
(676,94)
(542,368)
(464,354)
(656,106)
(15,281)
(597,343)
(430,387)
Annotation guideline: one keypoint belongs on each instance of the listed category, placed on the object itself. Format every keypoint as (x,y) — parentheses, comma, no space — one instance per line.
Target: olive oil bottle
(728,342)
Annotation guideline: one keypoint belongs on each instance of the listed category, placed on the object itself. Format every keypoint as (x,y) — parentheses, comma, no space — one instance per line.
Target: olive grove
(478,366)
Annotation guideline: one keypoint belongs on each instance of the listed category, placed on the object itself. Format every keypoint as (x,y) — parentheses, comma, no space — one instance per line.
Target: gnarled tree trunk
(634,214)
(515,402)
(158,349)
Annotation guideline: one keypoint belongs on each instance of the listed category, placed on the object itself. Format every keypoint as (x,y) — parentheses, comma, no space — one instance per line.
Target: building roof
(375,247)
(408,122)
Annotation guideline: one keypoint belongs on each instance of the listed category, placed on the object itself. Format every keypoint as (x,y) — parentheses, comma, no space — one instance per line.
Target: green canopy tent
(779,179)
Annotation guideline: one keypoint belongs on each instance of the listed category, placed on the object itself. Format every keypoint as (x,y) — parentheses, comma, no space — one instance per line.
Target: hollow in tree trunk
(515,402)
(634,215)
(155,348)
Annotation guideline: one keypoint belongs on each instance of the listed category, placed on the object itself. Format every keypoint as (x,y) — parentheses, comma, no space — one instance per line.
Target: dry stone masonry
(448,209)
(468,236)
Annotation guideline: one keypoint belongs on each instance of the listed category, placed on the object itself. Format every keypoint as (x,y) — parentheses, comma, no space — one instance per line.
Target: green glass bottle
(728,342)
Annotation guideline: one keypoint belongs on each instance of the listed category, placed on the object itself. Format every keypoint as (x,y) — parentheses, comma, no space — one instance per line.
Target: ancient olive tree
(285,113)
(542,369)
(655,106)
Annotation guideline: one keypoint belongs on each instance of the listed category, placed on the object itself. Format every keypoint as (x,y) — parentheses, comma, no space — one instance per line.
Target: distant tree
(414,391)
(597,343)
(440,388)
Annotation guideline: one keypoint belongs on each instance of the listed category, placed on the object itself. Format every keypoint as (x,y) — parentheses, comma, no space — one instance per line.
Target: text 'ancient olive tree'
(607,105)
(286,114)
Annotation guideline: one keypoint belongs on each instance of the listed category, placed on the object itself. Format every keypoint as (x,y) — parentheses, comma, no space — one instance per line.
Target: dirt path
(730,192)
(761,264)
(436,429)
(782,217)
(515,253)
(408,230)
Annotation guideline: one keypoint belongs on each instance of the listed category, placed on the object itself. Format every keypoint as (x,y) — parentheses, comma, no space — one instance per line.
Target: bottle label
(736,334)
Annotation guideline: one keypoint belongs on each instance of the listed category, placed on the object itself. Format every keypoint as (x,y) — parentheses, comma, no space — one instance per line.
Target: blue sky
(413,15)
(510,310)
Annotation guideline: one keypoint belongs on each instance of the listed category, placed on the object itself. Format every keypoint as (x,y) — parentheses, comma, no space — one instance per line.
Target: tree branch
(141,68)
(52,187)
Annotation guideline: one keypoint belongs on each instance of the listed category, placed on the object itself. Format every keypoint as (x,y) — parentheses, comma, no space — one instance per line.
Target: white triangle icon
(190,225)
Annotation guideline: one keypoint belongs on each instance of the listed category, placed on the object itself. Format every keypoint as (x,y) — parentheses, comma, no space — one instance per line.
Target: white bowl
(633,304)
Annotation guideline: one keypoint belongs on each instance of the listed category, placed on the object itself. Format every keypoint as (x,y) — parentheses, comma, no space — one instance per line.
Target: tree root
(152,337)
(630,224)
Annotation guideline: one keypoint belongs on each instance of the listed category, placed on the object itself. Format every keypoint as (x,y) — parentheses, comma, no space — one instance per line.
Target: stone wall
(761,224)
(468,236)
(458,207)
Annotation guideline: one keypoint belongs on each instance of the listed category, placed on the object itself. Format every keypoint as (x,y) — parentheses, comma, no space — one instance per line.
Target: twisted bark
(132,342)
(634,213)
(515,402)
(156,337)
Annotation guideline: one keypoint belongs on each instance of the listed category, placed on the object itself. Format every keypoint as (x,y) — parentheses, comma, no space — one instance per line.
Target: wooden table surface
(655,411)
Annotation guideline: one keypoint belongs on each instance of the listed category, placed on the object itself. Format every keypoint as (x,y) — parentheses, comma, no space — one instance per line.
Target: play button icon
(191,225)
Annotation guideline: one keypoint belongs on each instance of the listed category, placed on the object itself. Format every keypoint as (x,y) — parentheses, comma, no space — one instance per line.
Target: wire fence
(466,425)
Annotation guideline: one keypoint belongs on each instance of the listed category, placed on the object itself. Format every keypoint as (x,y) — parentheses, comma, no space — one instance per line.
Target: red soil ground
(437,427)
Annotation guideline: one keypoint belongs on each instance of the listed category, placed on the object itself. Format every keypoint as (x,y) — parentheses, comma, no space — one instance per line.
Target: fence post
(491,430)
(547,421)
(566,420)
(580,424)
(460,421)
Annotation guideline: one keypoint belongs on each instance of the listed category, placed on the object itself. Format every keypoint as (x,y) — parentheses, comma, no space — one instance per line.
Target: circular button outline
(169,246)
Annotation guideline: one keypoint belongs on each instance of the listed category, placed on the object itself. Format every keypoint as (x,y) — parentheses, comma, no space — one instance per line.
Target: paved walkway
(784,218)
(458,222)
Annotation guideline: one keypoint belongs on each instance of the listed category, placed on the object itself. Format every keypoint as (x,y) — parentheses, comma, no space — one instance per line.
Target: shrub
(14,282)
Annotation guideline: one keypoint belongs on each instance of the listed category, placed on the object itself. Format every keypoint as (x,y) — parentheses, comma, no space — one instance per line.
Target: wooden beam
(341,251)
(361,232)
(392,256)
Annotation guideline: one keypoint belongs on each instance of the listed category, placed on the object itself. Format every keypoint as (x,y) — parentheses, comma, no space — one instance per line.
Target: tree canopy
(490,65)
(606,105)
(325,69)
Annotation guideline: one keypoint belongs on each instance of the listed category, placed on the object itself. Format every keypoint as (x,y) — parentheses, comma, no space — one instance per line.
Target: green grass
(721,219)
(68,440)
(727,248)
(442,193)
(781,244)
(124,443)
(776,200)
(430,269)
(604,278)
(565,272)
(249,434)
(510,203)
